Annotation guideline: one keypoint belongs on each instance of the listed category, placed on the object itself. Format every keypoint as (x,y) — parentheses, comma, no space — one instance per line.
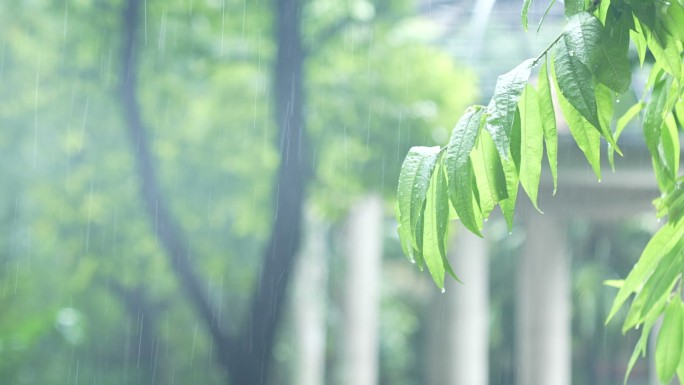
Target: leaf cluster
(494,149)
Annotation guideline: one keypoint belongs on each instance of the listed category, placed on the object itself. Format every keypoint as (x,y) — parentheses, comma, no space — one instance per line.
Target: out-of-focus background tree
(159,157)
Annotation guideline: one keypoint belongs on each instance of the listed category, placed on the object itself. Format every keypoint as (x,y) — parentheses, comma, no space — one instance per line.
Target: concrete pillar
(543,345)
(309,304)
(459,343)
(363,257)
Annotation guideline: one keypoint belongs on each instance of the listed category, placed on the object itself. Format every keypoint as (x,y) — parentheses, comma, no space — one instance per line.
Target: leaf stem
(547,49)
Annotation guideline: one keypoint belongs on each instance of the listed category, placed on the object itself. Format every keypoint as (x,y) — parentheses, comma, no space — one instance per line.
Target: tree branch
(168,232)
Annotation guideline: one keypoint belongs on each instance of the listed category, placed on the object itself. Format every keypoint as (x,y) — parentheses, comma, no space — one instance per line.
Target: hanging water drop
(443,290)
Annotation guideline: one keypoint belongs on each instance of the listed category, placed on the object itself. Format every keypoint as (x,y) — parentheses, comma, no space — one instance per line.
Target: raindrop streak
(90,200)
(161,43)
(223,22)
(66,19)
(35,128)
(244,11)
(145,20)
(194,340)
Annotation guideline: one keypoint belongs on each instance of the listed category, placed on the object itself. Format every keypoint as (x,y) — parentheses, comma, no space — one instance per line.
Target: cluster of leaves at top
(495,148)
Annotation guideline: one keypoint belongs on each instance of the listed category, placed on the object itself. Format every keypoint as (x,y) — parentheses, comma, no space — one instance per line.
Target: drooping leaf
(582,38)
(605,108)
(414,180)
(525,9)
(640,348)
(502,107)
(613,67)
(435,227)
(586,136)
(489,174)
(620,126)
(531,142)
(575,81)
(461,179)
(666,54)
(669,343)
(511,168)
(660,244)
(548,118)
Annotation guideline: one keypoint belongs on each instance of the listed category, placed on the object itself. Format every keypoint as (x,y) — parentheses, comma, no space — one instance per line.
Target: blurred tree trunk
(363,257)
(247,356)
(543,312)
(309,303)
(458,343)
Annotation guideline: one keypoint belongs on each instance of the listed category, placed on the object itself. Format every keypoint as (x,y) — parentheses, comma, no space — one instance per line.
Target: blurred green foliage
(85,290)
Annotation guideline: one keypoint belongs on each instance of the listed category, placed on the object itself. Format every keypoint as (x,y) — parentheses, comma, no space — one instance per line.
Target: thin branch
(168,232)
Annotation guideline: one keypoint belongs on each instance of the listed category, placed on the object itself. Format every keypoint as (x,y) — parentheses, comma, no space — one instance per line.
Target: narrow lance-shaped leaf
(511,167)
(586,137)
(613,68)
(662,242)
(531,143)
(576,83)
(669,343)
(502,107)
(489,174)
(605,107)
(621,124)
(459,168)
(414,180)
(525,9)
(548,119)
(435,226)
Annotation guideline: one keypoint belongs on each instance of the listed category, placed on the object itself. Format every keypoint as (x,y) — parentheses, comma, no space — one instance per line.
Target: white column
(459,343)
(363,257)
(309,304)
(543,312)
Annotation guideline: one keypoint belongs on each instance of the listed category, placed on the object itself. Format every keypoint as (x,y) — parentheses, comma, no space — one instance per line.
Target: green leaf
(414,180)
(546,12)
(662,242)
(489,174)
(613,67)
(666,54)
(586,137)
(436,222)
(511,167)
(621,124)
(639,40)
(460,171)
(669,343)
(531,138)
(575,82)
(502,107)
(548,118)
(582,39)
(640,348)
(653,116)
(525,9)
(605,107)
(573,7)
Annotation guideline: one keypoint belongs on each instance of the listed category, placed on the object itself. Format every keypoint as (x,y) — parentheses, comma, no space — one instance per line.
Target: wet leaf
(435,226)
(548,118)
(531,138)
(414,181)
(460,171)
(668,351)
(501,109)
